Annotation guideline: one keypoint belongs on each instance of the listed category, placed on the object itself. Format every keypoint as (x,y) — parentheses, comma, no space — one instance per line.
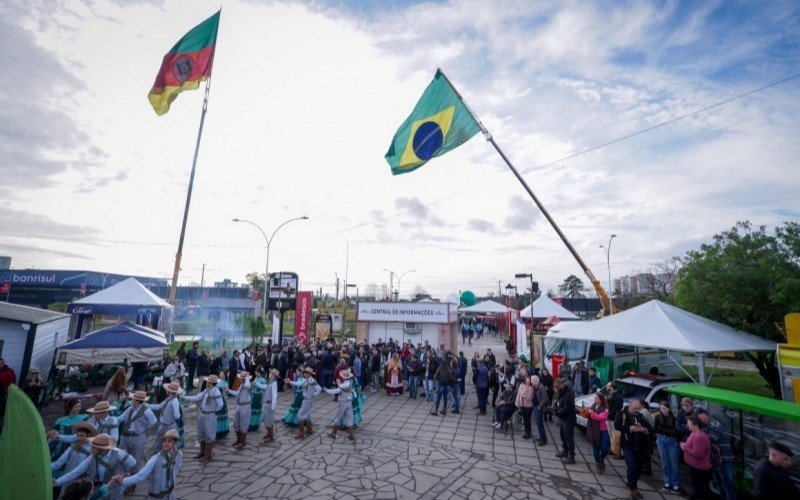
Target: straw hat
(275,372)
(170,434)
(346,374)
(101,407)
(84,426)
(308,369)
(211,379)
(172,387)
(139,396)
(103,442)
(244,374)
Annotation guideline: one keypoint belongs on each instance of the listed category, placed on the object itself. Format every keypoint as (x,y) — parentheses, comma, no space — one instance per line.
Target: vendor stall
(118,343)
(128,300)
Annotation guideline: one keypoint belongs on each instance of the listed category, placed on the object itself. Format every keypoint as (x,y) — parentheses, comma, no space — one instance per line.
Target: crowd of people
(103,452)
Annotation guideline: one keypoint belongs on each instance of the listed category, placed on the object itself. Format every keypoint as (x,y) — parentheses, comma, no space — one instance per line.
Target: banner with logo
(276,327)
(522,338)
(302,317)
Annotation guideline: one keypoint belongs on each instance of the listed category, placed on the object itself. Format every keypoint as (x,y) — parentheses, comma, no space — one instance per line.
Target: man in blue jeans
(482,386)
(413,376)
(721,454)
(455,382)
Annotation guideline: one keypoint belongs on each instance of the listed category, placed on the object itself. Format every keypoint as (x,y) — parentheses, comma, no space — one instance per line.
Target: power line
(575,155)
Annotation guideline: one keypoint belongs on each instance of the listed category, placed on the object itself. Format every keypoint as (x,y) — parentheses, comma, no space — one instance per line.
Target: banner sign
(282,291)
(522,338)
(72,279)
(276,327)
(404,312)
(302,317)
(110,355)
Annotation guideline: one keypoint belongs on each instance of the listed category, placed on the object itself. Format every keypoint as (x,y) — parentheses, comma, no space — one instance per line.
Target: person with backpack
(635,431)
(565,411)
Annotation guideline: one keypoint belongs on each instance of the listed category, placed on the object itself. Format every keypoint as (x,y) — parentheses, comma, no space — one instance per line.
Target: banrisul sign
(71,279)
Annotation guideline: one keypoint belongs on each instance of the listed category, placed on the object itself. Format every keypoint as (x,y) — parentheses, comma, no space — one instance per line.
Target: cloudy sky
(306,97)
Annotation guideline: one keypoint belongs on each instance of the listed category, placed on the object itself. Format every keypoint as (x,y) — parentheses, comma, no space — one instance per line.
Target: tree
(372,290)
(254,326)
(255,280)
(572,287)
(383,294)
(58,307)
(419,293)
(747,279)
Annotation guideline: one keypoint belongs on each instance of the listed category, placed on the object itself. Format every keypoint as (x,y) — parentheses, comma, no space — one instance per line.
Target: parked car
(632,386)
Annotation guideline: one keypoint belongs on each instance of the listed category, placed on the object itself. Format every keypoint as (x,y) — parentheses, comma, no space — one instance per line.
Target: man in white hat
(210,400)
(101,466)
(344,416)
(77,451)
(161,470)
(310,390)
(270,390)
(241,416)
(171,412)
(100,419)
(133,426)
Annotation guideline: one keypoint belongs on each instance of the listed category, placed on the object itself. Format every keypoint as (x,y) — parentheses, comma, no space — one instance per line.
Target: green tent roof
(747,402)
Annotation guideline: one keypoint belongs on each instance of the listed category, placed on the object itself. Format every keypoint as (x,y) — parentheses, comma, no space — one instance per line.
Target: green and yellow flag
(439,123)
(187,64)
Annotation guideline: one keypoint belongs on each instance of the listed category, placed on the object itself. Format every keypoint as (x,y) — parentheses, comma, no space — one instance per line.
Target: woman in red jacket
(697,454)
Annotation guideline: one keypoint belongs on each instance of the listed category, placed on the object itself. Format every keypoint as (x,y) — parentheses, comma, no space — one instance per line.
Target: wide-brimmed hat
(275,372)
(101,407)
(346,374)
(103,442)
(170,434)
(173,387)
(84,426)
(139,396)
(212,379)
(308,369)
(244,374)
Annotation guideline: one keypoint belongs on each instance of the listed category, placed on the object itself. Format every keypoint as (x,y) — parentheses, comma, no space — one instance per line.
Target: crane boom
(605,300)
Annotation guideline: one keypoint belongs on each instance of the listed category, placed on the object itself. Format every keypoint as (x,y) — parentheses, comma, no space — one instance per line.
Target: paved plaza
(400,451)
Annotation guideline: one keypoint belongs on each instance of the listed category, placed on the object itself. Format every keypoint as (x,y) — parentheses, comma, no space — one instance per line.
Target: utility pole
(337,286)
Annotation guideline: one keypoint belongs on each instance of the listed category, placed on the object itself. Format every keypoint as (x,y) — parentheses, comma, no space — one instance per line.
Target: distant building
(5,262)
(585,307)
(226,283)
(645,285)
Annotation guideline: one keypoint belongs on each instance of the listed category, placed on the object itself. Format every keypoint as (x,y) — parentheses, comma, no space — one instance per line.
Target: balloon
(468,298)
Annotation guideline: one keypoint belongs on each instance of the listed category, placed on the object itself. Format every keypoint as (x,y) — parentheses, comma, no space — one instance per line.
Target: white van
(648,360)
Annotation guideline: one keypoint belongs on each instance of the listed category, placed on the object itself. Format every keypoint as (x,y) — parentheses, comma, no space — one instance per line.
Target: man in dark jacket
(540,402)
(482,386)
(328,363)
(413,368)
(615,404)
(565,411)
(462,365)
(635,438)
(772,480)
(192,357)
(233,366)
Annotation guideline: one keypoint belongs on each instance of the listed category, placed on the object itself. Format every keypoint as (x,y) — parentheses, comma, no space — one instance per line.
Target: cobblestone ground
(400,451)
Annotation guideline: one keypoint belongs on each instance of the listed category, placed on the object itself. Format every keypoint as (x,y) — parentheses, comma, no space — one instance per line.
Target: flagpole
(606,300)
(178,255)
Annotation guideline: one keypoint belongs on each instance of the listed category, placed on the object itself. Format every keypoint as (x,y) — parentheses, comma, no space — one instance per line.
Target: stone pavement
(400,451)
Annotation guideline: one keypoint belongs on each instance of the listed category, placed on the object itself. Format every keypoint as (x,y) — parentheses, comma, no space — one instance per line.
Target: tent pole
(701,369)
(681,367)
(711,375)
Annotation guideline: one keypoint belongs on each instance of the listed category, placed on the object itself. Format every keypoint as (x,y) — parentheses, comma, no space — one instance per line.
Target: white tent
(485,307)
(662,326)
(544,307)
(127,292)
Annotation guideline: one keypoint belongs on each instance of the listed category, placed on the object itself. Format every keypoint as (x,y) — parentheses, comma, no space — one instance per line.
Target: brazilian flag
(439,123)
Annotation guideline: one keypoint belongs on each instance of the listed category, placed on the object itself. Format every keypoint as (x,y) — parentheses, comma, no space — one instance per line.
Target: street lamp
(400,279)
(269,242)
(520,276)
(391,282)
(607,248)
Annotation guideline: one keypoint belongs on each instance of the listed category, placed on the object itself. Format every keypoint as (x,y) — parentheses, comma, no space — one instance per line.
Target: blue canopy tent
(128,298)
(115,344)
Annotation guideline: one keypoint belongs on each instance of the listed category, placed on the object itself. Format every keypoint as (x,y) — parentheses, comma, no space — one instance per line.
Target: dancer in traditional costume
(76,452)
(310,390)
(256,404)
(105,462)
(359,399)
(103,423)
(223,426)
(241,416)
(344,415)
(210,400)
(394,377)
(64,426)
(161,470)
(171,414)
(134,424)
(290,417)
(270,391)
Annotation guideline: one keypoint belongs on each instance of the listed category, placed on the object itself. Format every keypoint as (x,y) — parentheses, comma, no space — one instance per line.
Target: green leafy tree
(254,326)
(572,287)
(748,279)
(58,307)
(255,280)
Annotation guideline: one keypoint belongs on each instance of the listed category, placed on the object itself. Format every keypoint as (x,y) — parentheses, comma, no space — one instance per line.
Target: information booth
(415,322)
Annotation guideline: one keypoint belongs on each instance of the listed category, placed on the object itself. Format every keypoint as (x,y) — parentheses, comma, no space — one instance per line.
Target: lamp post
(400,279)
(391,282)
(607,248)
(269,242)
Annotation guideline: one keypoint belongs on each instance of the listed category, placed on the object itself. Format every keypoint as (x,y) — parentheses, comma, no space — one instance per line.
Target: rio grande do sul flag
(187,64)
(439,123)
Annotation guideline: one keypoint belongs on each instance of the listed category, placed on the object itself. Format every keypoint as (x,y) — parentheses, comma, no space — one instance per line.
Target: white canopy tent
(485,307)
(544,307)
(662,326)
